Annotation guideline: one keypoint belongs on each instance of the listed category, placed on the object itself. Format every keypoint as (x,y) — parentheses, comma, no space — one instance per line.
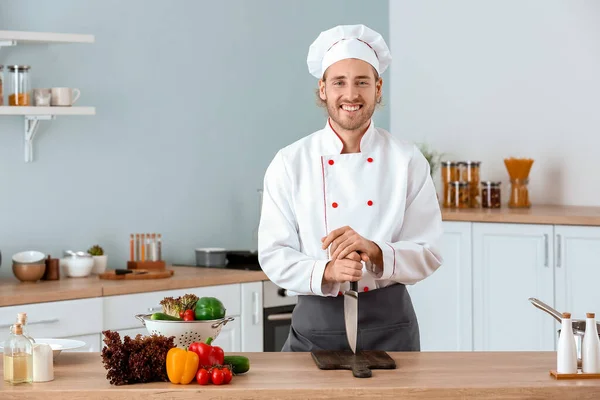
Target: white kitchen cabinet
(443,300)
(511,263)
(577,270)
(57,319)
(120,311)
(252,317)
(230,338)
(93,342)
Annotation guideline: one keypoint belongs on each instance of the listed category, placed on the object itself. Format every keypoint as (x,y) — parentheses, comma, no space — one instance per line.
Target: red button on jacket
(369,159)
(366,289)
(369,203)
(334,205)
(330,162)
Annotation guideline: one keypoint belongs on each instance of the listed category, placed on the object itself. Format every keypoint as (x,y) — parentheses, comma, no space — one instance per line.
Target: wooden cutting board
(360,363)
(150,274)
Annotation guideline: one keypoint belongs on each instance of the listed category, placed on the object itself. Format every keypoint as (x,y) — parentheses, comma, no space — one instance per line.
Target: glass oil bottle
(18,357)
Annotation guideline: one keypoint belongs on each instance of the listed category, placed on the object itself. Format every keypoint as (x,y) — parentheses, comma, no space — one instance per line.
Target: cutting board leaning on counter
(350,204)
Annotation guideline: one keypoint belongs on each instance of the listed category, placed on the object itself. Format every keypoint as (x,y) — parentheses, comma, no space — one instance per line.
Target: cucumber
(164,317)
(239,364)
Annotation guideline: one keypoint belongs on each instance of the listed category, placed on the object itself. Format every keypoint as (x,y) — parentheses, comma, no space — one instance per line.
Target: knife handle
(123,271)
(354,286)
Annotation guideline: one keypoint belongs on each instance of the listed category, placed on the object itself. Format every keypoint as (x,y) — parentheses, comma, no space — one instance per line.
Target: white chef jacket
(384,192)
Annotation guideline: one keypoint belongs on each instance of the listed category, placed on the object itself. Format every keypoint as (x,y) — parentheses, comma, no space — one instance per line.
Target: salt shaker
(43,364)
(590,346)
(566,355)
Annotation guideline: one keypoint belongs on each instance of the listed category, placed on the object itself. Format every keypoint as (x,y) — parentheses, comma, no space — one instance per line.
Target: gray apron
(386,321)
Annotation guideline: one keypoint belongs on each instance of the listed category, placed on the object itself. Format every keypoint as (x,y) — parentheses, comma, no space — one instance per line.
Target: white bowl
(77,267)
(29,257)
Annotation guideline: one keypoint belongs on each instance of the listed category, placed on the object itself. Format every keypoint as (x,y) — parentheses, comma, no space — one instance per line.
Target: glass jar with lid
(458,194)
(490,194)
(20,88)
(1,85)
(470,173)
(450,173)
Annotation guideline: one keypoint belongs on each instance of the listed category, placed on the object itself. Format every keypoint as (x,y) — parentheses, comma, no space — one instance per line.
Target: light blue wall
(193,100)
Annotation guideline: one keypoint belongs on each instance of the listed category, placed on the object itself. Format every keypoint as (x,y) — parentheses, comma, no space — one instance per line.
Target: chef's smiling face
(351,89)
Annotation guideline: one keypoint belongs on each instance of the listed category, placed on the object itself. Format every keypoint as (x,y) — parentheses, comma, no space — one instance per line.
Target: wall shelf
(33,115)
(13,38)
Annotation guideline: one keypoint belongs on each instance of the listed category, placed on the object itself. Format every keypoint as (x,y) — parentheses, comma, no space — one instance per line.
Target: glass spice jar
(1,85)
(490,194)
(450,173)
(519,194)
(459,194)
(20,91)
(470,174)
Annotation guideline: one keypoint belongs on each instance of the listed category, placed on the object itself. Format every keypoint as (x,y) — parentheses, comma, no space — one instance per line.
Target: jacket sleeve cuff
(388,269)
(316,281)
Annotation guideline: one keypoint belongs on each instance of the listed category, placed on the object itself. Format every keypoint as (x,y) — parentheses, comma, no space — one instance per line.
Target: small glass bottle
(450,173)
(18,357)
(590,346)
(22,319)
(566,353)
(490,194)
(519,194)
(20,90)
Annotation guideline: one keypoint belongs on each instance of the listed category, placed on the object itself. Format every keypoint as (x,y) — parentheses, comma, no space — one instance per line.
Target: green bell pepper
(209,308)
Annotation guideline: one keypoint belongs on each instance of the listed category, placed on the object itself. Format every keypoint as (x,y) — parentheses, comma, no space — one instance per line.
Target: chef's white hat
(348,41)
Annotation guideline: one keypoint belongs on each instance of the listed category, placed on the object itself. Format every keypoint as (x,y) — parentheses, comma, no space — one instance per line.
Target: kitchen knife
(351,314)
(129,271)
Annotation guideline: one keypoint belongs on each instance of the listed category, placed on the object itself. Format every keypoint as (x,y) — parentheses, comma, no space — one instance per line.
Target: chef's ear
(322,94)
(379,88)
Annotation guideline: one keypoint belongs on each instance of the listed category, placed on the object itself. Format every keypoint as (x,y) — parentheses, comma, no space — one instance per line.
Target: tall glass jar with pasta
(450,173)
(20,87)
(470,173)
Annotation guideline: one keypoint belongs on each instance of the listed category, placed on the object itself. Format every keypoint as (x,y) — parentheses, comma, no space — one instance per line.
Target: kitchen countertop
(453,375)
(13,292)
(537,214)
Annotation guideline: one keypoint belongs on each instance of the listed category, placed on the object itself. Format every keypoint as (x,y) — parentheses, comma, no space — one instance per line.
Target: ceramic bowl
(29,257)
(29,272)
(78,266)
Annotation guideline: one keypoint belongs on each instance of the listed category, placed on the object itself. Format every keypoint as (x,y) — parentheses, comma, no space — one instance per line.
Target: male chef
(350,202)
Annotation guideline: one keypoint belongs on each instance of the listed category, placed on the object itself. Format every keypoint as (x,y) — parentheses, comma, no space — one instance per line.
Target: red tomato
(202,377)
(217,376)
(227,375)
(180,314)
(189,315)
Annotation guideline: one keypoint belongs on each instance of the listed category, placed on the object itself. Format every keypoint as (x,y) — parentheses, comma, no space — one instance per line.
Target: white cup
(64,96)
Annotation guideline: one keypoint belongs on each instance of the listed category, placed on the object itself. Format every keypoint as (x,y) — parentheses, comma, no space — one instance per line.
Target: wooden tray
(167,273)
(360,363)
(579,375)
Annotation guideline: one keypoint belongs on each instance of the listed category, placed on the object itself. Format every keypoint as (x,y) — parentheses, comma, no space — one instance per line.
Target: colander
(185,332)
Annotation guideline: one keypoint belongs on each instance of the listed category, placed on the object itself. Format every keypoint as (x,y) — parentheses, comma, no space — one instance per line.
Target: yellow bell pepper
(182,365)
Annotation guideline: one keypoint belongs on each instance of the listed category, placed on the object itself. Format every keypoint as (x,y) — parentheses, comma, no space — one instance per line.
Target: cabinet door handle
(280,317)
(558,251)
(42,321)
(256,313)
(545,249)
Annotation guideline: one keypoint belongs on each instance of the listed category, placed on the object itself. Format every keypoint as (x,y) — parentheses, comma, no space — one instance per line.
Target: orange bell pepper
(182,365)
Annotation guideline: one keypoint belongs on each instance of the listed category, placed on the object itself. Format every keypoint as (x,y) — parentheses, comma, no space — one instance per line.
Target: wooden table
(519,375)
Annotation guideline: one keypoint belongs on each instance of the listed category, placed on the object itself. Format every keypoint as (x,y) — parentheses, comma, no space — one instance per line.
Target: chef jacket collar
(334,145)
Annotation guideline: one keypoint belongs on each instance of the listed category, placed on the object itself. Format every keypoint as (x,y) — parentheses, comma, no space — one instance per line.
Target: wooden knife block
(149,265)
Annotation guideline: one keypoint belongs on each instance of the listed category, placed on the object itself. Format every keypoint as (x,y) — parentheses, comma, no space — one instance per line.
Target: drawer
(57,319)
(120,311)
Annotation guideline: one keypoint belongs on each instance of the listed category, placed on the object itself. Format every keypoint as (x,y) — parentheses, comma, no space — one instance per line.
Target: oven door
(277,323)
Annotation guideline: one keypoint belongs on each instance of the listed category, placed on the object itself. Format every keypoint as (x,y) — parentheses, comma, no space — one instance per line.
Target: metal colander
(185,332)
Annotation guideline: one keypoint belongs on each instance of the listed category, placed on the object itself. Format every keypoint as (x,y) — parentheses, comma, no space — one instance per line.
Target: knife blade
(351,314)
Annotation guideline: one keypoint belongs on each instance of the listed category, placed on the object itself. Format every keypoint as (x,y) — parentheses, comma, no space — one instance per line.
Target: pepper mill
(52,272)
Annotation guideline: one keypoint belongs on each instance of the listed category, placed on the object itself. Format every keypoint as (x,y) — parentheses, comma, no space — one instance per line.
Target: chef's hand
(346,240)
(348,269)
